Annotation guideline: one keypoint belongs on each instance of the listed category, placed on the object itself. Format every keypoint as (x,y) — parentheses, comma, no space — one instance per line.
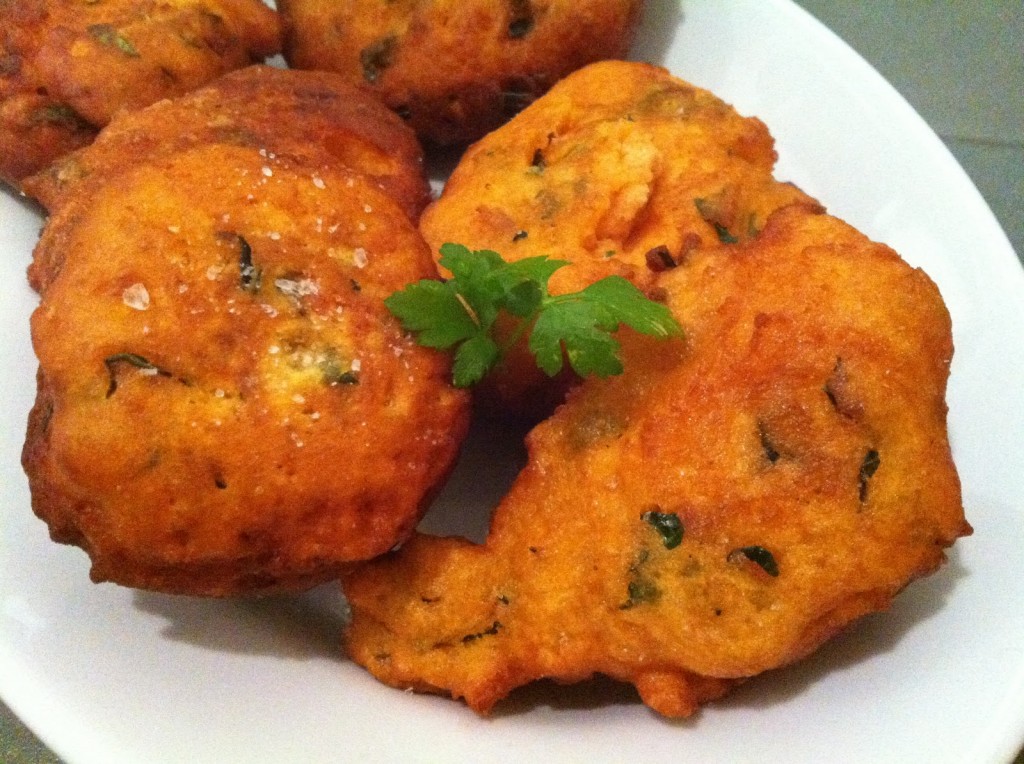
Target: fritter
(456,69)
(621,169)
(224,404)
(720,509)
(313,116)
(67,67)
(34,129)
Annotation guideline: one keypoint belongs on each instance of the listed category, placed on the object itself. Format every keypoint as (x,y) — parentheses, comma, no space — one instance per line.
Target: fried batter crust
(67,67)
(34,130)
(456,69)
(720,509)
(621,169)
(225,405)
(313,116)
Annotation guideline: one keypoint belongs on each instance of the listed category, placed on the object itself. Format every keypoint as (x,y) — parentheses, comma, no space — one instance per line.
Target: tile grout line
(994,143)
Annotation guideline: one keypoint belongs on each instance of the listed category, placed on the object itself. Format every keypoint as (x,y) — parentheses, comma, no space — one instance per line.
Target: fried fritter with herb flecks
(68,66)
(225,405)
(621,169)
(34,129)
(728,503)
(315,116)
(455,69)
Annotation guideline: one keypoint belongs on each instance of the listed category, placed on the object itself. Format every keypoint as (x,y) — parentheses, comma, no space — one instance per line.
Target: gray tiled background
(960,63)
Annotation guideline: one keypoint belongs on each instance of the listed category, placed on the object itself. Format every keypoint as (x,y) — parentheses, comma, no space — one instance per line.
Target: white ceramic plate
(104,674)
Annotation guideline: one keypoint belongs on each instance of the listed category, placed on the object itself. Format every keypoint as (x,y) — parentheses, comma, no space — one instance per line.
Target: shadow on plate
(296,627)
(26,202)
(491,458)
(658,25)
(600,692)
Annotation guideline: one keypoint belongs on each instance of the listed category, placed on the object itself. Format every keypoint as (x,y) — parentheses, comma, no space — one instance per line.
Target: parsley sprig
(461,312)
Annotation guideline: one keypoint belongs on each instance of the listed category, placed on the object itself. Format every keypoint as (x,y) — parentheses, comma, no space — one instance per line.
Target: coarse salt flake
(267,172)
(359,258)
(319,182)
(297,287)
(136,296)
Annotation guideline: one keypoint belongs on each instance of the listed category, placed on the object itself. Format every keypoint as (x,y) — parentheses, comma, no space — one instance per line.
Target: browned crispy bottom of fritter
(315,116)
(225,405)
(720,509)
(67,67)
(621,169)
(456,69)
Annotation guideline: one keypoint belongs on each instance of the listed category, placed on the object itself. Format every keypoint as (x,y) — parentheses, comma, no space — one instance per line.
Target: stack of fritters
(455,69)
(737,496)
(225,405)
(621,169)
(723,507)
(68,66)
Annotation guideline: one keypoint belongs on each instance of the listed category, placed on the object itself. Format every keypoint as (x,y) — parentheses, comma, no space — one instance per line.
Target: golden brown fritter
(34,129)
(620,169)
(456,69)
(723,507)
(225,405)
(313,116)
(68,66)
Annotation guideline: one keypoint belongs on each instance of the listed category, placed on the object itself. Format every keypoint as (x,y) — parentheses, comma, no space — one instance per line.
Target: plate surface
(105,674)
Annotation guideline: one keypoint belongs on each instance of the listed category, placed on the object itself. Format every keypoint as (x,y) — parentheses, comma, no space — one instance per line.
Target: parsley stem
(468,308)
(548,300)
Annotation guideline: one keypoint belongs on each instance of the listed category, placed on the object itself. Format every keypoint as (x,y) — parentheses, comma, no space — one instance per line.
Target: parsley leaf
(433,309)
(584,329)
(461,312)
(474,358)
